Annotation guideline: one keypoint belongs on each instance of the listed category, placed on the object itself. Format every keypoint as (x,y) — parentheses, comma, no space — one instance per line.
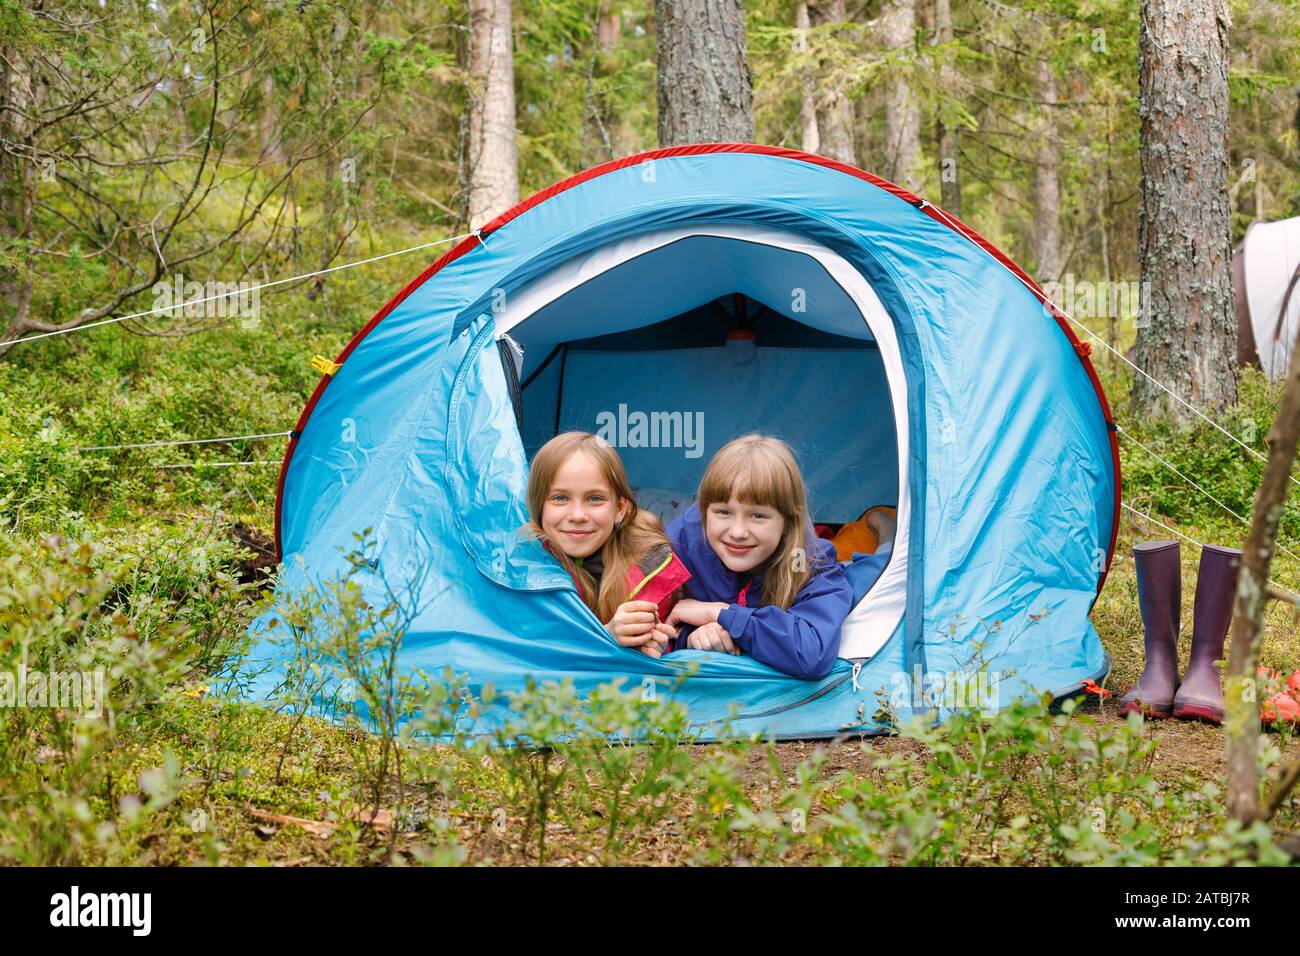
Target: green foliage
(1025,787)
(580,103)
(614,755)
(401,775)
(117,561)
(1198,453)
(102,638)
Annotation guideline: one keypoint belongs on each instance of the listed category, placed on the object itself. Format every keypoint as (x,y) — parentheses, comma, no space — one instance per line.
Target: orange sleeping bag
(856,537)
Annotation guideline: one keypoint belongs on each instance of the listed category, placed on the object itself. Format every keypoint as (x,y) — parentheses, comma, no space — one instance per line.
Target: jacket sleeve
(803,641)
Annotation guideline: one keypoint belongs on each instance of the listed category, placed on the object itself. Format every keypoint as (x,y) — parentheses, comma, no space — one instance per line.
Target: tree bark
(492,167)
(946,139)
(1242,727)
(608,27)
(833,110)
(902,117)
(811,138)
(268,129)
(705,90)
(19,102)
(1047,183)
(1187,334)
(601,122)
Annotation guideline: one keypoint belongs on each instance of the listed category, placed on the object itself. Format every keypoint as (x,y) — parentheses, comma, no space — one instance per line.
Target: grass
(196,780)
(160,594)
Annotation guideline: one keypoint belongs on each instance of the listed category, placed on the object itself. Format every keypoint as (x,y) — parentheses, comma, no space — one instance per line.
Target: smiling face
(580,509)
(743,535)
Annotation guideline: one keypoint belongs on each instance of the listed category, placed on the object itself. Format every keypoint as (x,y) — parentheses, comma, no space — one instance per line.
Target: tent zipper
(820,692)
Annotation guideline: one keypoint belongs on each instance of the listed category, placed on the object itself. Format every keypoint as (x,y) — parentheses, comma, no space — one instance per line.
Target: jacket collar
(593,564)
(712,577)
(709,575)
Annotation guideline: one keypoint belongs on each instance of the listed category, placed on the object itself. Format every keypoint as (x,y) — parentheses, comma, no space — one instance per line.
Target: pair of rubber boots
(1160,584)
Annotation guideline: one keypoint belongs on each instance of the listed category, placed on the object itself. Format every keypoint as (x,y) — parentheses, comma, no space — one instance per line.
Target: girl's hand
(634,624)
(662,634)
(696,613)
(712,637)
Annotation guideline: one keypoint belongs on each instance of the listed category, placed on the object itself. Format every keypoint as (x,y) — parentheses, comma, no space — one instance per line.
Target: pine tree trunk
(492,167)
(1187,333)
(902,117)
(19,97)
(1047,183)
(608,28)
(602,122)
(946,139)
(811,138)
(833,110)
(704,84)
(269,135)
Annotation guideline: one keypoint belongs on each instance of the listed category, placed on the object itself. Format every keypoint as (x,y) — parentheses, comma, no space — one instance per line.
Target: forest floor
(310,816)
(190,779)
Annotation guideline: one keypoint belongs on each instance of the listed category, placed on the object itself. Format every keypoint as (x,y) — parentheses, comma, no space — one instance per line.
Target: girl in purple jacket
(762,583)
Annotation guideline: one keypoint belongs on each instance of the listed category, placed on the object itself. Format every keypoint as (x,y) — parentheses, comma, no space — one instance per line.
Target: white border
(871,623)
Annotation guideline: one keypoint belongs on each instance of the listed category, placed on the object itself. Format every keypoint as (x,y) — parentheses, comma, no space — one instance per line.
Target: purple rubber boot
(1201,695)
(1160,597)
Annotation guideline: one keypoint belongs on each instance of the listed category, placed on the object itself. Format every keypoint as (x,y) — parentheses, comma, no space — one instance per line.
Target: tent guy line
(219,464)
(284,434)
(478,233)
(187,441)
(1241,518)
(254,288)
(1173,394)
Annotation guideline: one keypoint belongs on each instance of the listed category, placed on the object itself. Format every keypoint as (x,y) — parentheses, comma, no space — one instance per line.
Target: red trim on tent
(450,256)
(695,150)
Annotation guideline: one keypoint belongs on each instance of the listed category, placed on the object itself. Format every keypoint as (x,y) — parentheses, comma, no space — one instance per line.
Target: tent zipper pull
(857,669)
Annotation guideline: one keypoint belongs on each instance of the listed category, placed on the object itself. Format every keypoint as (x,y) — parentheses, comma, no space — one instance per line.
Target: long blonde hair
(761,470)
(633,537)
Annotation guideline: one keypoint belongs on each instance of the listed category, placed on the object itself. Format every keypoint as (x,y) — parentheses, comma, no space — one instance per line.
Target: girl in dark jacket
(762,583)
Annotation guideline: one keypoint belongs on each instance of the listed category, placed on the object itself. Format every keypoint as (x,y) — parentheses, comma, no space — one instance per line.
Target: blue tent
(671,301)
